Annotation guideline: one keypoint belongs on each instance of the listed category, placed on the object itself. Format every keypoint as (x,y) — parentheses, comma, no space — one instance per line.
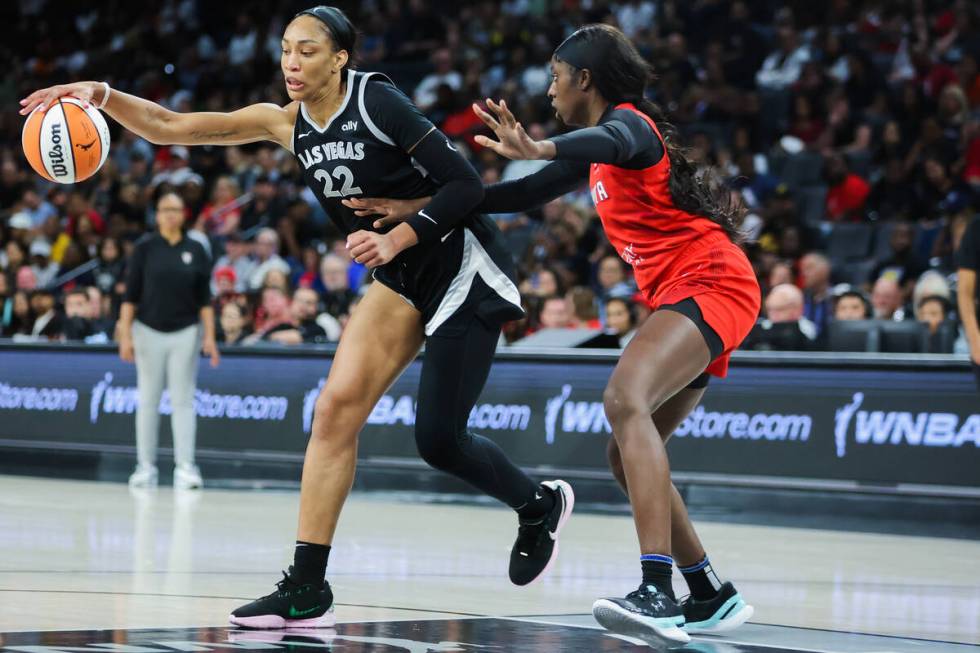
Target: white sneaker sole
(621,621)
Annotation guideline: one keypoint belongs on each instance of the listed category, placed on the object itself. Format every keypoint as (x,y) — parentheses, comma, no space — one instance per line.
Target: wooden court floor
(87,566)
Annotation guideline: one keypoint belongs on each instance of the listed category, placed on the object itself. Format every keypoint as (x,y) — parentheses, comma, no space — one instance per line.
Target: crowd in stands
(849,130)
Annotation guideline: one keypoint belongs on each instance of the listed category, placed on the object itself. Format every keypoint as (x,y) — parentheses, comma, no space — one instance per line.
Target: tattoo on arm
(198,135)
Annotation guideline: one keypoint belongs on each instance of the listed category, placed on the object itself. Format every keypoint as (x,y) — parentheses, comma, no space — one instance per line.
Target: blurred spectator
(334,285)
(221,216)
(892,196)
(931,284)
(847,193)
(585,313)
(784,328)
(19,319)
(35,208)
(933,311)
(223,282)
(902,263)
(817,300)
(612,280)
(621,319)
(45,270)
(303,327)
(267,258)
(555,313)
(111,266)
(26,279)
(852,305)
(272,312)
(425,92)
(782,68)
(265,208)
(233,324)
(47,322)
(886,300)
(237,258)
(78,316)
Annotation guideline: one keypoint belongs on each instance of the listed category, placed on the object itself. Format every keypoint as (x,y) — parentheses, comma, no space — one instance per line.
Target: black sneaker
(646,613)
(537,540)
(726,611)
(291,606)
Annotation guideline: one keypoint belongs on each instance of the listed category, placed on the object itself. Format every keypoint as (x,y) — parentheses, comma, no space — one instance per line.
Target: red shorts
(718,276)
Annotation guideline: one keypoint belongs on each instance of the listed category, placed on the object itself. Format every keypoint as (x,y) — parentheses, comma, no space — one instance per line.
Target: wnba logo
(901,427)
(56,155)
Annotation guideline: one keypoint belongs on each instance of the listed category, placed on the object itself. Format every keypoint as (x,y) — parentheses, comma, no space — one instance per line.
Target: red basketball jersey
(639,216)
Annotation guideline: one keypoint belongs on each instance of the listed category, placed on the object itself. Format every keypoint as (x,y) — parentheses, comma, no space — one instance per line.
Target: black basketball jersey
(362,150)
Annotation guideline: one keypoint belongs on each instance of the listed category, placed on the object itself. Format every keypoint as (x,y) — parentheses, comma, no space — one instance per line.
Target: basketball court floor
(90,567)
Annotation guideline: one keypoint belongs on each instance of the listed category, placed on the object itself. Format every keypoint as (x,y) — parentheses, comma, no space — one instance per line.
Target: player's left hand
(210,348)
(514,142)
(371,249)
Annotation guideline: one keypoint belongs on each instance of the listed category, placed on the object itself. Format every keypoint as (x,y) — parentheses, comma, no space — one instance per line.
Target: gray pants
(172,357)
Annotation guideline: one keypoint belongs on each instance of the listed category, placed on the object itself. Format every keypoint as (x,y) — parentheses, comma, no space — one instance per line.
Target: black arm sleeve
(134,273)
(530,192)
(460,187)
(623,138)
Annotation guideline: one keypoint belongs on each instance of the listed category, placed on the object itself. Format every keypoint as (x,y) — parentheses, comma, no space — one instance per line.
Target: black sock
(701,579)
(539,504)
(310,563)
(657,570)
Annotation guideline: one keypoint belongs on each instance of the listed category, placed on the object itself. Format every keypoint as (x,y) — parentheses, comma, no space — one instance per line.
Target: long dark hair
(621,74)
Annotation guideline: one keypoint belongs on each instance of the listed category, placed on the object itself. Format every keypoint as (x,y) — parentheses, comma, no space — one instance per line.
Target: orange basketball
(67,143)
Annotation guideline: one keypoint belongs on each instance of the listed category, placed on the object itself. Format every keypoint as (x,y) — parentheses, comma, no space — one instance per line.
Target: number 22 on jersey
(340,173)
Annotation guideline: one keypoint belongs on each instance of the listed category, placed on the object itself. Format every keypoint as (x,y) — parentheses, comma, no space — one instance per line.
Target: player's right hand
(391,211)
(45,97)
(126,350)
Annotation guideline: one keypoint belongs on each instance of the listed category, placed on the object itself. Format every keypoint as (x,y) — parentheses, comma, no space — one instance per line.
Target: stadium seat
(811,204)
(882,248)
(906,337)
(856,273)
(849,241)
(853,335)
(803,169)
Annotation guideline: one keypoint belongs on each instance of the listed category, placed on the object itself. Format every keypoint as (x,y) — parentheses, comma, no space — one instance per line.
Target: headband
(580,53)
(333,18)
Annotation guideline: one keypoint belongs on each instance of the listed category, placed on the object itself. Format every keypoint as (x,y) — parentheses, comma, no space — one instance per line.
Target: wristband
(105,95)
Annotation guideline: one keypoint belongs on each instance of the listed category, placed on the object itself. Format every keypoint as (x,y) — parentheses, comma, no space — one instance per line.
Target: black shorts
(690,309)
(468,275)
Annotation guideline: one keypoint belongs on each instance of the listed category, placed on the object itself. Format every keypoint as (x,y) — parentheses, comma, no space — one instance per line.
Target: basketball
(67,143)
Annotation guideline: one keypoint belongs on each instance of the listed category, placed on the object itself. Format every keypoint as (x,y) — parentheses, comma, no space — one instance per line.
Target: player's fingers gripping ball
(67,143)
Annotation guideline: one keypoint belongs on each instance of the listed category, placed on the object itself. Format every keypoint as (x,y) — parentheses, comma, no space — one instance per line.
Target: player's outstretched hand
(513,143)
(45,97)
(389,211)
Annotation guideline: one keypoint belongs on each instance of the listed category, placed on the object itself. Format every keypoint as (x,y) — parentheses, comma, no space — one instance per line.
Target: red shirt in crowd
(846,200)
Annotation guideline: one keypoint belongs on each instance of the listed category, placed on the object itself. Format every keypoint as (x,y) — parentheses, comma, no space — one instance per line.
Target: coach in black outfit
(160,326)
(968,291)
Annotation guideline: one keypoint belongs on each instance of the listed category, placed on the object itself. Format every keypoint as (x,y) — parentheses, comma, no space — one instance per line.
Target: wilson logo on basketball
(55,155)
